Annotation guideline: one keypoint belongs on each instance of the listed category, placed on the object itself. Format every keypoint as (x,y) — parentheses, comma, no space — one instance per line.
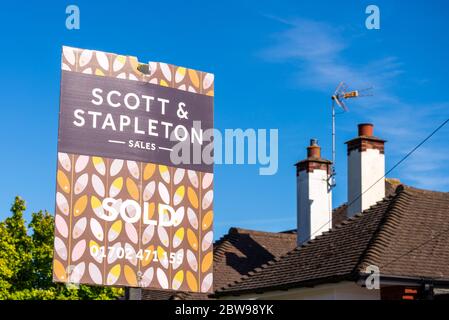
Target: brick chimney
(366,165)
(314,197)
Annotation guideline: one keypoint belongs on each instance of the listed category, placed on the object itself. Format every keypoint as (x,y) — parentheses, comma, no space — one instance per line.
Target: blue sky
(276,64)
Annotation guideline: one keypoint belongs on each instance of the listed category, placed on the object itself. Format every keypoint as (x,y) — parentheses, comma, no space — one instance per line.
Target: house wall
(336,291)
(134,294)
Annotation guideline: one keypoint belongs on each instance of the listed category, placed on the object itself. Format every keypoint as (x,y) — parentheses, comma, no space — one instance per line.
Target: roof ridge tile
(236,230)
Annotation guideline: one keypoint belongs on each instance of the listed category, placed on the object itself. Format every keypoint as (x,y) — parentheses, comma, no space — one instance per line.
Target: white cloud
(308,40)
(319,49)
(321,54)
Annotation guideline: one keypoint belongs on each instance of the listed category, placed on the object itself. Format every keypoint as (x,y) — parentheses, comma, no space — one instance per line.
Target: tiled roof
(406,234)
(235,255)
(414,240)
(241,251)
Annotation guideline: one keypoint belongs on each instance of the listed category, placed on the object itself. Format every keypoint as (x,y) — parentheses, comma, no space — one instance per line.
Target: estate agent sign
(127,214)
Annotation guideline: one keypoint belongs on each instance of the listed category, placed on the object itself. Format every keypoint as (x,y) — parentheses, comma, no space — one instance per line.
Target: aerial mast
(338,98)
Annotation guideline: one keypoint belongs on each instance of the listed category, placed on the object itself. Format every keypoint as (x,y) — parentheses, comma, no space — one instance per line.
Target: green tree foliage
(26,261)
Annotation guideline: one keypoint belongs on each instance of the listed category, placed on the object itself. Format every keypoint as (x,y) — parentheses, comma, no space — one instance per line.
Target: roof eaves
(289,286)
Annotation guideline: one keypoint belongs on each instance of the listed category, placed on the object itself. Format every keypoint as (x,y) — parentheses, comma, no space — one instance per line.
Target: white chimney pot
(314,197)
(366,170)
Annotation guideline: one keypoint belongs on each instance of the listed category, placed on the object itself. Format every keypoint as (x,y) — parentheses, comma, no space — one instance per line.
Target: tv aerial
(341,94)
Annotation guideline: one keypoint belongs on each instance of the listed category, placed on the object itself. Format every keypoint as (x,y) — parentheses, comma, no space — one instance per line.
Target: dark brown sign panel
(125,214)
(115,117)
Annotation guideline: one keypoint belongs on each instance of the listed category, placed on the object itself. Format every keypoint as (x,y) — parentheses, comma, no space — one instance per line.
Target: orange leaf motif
(191,238)
(59,271)
(132,189)
(80,206)
(207,262)
(148,171)
(207,220)
(193,198)
(130,276)
(191,282)
(63,181)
